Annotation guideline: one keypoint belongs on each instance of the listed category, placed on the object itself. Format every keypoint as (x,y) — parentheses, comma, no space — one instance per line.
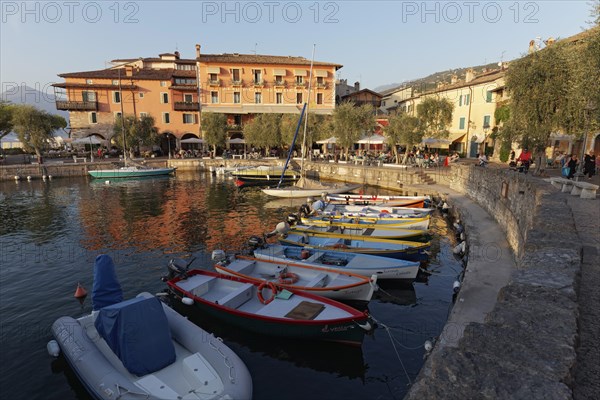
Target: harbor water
(51,232)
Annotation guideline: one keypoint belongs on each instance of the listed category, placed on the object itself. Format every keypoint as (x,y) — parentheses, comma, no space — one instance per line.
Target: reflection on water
(52,231)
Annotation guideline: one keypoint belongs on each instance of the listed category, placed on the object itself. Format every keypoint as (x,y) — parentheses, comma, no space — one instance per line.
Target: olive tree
(403,129)
(214,130)
(35,128)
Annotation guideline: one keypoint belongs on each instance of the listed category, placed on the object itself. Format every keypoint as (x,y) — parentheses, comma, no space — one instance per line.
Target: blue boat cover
(137,331)
(106,290)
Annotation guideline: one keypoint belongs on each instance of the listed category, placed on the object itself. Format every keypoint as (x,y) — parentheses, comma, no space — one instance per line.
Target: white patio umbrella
(88,140)
(436,143)
(372,139)
(331,140)
(192,140)
(236,141)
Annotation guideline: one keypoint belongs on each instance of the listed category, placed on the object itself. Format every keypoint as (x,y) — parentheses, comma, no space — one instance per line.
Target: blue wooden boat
(361,264)
(413,251)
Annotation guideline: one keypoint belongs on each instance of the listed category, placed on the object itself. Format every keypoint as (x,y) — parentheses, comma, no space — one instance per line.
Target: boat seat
(156,387)
(318,281)
(242,266)
(237,297)
(200,375)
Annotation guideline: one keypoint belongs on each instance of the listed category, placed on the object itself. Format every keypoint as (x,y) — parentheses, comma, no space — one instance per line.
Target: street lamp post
(169,144)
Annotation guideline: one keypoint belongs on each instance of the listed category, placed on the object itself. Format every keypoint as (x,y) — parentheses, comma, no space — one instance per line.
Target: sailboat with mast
(306,187)
(130,169)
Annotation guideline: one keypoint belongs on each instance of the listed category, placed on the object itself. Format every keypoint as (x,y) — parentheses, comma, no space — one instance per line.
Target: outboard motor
(255,242)
(177,267)
(282,228)
(293,219)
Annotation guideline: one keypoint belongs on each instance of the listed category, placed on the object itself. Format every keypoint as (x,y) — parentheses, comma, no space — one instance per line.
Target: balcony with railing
(76,105)
(300,84)
(258,82)
(214,82)
(237,82)
(321,85)
(279,83)
(186,106)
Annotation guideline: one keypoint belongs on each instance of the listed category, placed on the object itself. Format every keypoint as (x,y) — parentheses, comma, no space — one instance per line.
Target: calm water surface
(51,232)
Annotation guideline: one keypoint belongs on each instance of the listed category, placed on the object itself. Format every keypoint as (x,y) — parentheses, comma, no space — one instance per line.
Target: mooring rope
(392,340)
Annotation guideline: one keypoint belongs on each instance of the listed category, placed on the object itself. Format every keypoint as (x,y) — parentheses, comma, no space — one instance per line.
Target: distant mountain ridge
(42,99)
(430,82)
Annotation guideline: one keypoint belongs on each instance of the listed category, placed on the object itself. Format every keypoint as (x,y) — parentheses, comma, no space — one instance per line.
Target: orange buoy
(80,292)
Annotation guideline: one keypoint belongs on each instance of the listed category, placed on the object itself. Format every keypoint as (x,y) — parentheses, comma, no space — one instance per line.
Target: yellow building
(475,100)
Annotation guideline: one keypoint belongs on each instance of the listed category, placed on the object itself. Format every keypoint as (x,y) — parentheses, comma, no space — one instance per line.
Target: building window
(486,122)
(257,76)
(116,97)
(319,98)
(166,118)
(93,118)
(188,118)
(257,97)
(298,98)
(461,123)
(141,95)
(467,99)
(185,81)
(115,82)
(88,96)
(299,79)
(188,98)
(279,98)
(488,96)
(214,97)
(237,120)
(164,98)
(186,67)
(235,75)
(236,97)
(278,79)
(143,115)
(163,83)
(89,81)
(213,77)
(117,115)
(320,81)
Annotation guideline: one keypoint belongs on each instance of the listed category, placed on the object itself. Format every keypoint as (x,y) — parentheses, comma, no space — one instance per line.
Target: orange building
(175,91)
(241,85)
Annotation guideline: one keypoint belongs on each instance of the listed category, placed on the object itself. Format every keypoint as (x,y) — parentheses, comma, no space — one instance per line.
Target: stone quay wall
(525,348)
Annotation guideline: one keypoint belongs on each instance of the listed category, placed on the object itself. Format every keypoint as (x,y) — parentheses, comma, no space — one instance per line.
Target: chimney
(177,55)
(454,79)
(357,86)
(197,51)
(469,75)
(128,70)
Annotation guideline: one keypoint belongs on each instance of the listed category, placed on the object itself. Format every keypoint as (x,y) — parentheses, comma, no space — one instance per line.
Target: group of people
(570,162)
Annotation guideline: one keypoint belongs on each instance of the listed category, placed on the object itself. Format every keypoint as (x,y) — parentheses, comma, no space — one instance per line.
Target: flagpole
(307,109)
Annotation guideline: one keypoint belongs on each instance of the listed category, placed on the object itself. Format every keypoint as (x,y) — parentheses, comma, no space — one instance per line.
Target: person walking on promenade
(572,164)
(589,164)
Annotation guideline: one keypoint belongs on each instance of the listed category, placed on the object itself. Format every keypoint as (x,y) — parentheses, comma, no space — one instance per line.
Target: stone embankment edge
(525,347)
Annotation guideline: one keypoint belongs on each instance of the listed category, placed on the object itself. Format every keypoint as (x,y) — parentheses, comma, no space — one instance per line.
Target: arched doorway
(168,144)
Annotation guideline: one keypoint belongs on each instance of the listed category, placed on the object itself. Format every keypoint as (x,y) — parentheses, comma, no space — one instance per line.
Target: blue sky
(378,42)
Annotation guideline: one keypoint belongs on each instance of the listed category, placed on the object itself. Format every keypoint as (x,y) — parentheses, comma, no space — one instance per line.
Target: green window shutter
(460,100)
(461,123)
(488,97)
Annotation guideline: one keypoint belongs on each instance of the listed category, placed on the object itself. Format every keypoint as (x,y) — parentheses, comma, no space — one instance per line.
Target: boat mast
(122,120)
(307,104)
